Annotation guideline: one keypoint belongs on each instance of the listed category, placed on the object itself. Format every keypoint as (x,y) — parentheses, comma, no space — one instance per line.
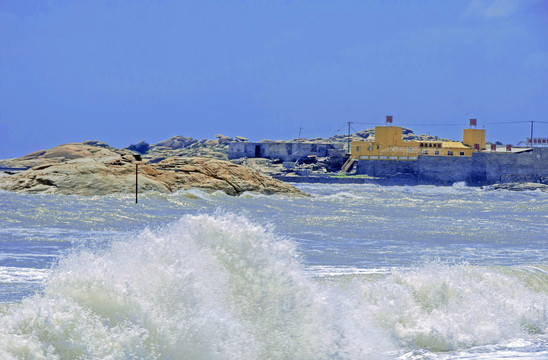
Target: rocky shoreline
(94,168)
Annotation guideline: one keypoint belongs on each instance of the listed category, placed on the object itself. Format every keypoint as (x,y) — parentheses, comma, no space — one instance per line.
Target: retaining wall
(481,168)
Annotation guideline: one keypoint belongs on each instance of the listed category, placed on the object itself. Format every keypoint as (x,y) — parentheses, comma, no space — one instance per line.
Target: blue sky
(126,71)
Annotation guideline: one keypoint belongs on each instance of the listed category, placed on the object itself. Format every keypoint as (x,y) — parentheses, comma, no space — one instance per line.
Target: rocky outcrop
(84,169)
(180,146)
(519,186)
(63,153)
(221,175)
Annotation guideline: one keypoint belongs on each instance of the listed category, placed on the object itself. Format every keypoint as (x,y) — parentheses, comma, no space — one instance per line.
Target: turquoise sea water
(351,272)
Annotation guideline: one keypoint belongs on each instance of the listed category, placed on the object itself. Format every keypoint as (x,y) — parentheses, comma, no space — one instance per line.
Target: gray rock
(518,186)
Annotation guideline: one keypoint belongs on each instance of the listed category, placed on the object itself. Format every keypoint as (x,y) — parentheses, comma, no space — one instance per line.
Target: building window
(377,147)
(462,153)
(410,149)
(437,152)
(425,152)
(357,149)
(450,152)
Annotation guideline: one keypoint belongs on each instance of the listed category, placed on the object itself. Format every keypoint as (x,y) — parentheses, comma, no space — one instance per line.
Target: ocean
(351,272)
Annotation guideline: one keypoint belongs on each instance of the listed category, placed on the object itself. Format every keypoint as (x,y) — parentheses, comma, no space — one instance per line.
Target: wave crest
(204,287)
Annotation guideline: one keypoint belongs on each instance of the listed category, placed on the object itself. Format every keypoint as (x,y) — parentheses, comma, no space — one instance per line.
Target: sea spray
(360,263)
(443,307)
(206,287)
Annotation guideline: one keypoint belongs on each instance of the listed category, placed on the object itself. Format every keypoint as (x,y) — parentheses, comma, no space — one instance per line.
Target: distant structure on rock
(442,162)
(389,145)
(284,151)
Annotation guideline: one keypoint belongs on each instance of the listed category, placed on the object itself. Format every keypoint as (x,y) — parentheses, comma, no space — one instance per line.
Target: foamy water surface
(351,272)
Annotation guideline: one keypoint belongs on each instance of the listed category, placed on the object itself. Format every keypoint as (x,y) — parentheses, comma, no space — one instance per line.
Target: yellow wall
(474,136)
(388,135)
(366,148)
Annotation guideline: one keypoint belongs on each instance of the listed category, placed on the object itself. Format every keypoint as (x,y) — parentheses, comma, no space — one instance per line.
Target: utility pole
(349,136)
(532,133)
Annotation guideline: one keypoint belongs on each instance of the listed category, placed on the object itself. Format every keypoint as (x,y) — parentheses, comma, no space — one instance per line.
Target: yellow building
(474,137)
(389,145)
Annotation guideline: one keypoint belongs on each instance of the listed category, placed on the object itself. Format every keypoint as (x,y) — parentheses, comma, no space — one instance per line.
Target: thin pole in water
(136,182)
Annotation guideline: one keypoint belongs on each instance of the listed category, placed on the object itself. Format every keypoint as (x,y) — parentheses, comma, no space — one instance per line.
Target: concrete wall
(285,151)
(531,166)
(387,168)
(444,169)
(238,150)
(480,169)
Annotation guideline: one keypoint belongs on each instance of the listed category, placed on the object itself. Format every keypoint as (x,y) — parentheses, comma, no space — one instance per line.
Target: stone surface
(519,187)
(84,169)
(63,153)
(222,175)
(188,147)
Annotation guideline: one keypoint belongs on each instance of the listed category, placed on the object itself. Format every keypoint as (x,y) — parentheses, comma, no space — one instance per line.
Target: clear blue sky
(126,71)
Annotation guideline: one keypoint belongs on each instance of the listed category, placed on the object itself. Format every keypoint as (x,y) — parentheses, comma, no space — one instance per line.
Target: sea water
(350,272)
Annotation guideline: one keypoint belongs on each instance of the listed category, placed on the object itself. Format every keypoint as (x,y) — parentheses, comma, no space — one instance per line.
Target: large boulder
(205,173)
(177,142)
(81,170)
(188,147)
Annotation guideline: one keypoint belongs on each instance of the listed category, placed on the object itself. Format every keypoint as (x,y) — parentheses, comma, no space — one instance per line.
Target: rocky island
(230,164)
(95,168)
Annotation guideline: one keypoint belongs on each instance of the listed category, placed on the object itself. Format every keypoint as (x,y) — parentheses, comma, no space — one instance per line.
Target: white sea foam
(223,287)
(459,185)
(207,287)
(9,274)
(444,308)
(330,271)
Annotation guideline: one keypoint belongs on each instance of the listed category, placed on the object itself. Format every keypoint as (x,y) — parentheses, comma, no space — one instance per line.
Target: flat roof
(454,144)
(502,149)
(444,144)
